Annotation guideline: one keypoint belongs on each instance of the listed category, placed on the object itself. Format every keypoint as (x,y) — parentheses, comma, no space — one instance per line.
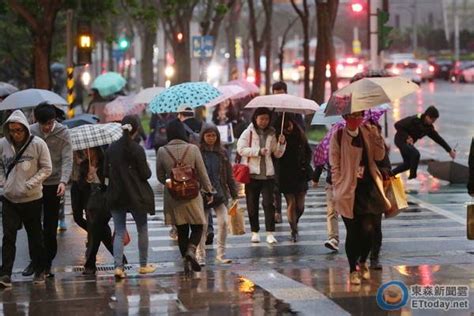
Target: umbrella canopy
(30,98)
(121,106)
(82,119)
(89,136)
(320,118)
(284,103)
(249,88)
(109,83)
(449,171)
(228,92)
(368,93)
(192,94)
(6,89)
(146,95)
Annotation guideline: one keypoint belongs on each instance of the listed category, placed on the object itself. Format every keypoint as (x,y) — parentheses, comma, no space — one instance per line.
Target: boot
(29,270)
(191,257)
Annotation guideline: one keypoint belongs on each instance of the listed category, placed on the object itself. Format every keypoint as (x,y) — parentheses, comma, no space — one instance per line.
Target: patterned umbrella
(193,94)
(109,83)
(30,98)
(89,136)
(6,89)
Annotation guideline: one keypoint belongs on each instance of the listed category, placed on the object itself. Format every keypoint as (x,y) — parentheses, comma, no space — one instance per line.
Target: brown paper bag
(237,222)
(470,221)
(395,193)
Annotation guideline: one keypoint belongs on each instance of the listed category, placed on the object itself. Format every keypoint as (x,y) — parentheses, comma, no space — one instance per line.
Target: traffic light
(383,30)
(179,37)
(357,7)
(84,43)
(123,43)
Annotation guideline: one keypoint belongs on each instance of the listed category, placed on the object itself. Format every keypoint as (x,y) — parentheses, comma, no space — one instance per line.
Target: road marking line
(437,210)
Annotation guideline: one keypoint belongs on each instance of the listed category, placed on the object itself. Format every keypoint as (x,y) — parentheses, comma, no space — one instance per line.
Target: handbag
(237,223)
(470,221)
(395,193)
(241,171)
(217,199)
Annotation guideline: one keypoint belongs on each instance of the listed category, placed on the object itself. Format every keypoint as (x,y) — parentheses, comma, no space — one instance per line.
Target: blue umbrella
(81,119)
(109,83)
(193,94)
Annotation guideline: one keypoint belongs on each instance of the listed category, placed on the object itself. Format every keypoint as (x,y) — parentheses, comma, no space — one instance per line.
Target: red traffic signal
(357,7)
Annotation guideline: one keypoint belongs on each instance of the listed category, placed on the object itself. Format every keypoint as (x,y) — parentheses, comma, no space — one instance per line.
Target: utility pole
(70,62)
(415,27)
(374,6)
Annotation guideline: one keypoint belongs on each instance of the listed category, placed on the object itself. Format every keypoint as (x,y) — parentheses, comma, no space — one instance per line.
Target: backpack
(183,183)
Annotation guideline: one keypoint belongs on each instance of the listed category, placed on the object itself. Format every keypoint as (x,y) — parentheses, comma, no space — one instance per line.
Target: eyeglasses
(16,130)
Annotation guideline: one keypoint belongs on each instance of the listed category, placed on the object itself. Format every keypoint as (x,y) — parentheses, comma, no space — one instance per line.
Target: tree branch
(25,14)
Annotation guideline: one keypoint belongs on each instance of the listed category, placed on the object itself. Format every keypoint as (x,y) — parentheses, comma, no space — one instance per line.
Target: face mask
(354,123)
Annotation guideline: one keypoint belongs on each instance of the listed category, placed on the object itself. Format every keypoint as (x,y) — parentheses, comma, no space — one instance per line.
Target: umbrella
(121,106)
(6,89)
(367,93)
(320,119)
(30,98)
(89,136)
(249,88)
(109,83)
(81,119)
(228,92)
(145,96)
(193,94)
(449,171)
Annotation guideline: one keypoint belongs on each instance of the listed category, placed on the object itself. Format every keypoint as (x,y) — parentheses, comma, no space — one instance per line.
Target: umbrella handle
(282,123)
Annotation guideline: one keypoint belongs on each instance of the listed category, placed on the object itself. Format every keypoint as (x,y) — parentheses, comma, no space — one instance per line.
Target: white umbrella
(367,93)
(7,89)
(146,95)
(319,117)
(228,92)
(30,98)
(284,103)
(89,136)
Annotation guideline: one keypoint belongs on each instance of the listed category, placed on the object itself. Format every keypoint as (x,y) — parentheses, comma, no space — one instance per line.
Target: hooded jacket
(60,149)
(25,182)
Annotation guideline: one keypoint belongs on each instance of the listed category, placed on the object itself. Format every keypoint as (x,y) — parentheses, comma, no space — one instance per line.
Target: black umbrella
(81,119)
(449,171)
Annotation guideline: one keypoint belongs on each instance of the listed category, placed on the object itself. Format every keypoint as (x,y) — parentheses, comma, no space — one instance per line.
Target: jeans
(185,239)
(51,206)
(295,208)
(331,220)
(79,197)
(359,238)
(140,218)
(14,214)
(221,214)
(98,230)
(252,195)
(411,158)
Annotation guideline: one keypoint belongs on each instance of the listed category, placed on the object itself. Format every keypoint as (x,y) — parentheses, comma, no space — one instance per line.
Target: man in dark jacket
(409,130)
(470,185)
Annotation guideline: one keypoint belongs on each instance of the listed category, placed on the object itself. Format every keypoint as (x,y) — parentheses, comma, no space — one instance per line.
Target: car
(427,70)
(455,74)
(444,69)
(348,67)
(406,68)
(467,74)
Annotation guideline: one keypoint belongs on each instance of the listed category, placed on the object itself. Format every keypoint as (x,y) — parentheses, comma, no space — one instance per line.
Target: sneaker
(173,233)
(5,281)
(332,244)
(375,264)
(39,278)
(355,278)
(62,225)
(255,237)
(271,239)
(119,273)
(149,268)
(201,261)
(222,260)
(364,271)
(29,270)
(209,239)
(48,273)
(278,219)
(412,184)
(294,236)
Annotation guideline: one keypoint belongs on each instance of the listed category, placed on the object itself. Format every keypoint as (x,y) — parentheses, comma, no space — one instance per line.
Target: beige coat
(251,154)
(345,159)
(189,211)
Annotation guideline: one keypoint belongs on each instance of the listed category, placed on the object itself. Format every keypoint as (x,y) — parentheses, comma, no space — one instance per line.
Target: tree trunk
(42,50)
(183,60)
(319,76)
(232,31)
(268,51)
(148,40)
(256,62)
(307,65)
(110,64)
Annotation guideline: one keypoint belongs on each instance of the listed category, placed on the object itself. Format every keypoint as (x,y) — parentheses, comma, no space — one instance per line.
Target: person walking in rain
(219,170)
(256,145)
(411,129)
(57,138)
(129,191)
(25,163)
(185,214)
(358,188)
(294,172)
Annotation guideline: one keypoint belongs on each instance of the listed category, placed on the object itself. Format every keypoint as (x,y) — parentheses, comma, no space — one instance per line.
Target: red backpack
(183,184)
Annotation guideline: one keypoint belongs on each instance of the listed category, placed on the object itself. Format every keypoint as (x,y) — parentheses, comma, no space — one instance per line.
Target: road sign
(203,46)
(117,54)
